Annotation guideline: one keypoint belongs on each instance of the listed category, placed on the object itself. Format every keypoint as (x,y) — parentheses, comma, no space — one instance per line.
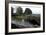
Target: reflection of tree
(27,11)
(19,11)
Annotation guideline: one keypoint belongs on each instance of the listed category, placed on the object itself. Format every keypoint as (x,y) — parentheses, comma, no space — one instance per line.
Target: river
(23,23)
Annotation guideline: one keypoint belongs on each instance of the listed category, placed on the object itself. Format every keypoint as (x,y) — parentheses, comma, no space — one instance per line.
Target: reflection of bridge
(28,17)
(24,17)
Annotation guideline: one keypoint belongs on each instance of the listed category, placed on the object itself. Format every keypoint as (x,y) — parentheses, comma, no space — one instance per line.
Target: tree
(27,11)
(19,11)
(12,11)
(13,14)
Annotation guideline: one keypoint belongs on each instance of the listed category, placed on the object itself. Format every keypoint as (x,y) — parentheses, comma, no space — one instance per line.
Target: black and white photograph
(25,17)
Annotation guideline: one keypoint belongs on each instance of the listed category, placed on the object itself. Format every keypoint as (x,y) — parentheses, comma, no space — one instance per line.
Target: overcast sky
(36,9)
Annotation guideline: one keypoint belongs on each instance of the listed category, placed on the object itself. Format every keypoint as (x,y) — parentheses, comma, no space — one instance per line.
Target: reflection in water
(22,20)
(23,23)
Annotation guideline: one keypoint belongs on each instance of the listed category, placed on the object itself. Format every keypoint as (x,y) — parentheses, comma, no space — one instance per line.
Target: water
(23,23)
